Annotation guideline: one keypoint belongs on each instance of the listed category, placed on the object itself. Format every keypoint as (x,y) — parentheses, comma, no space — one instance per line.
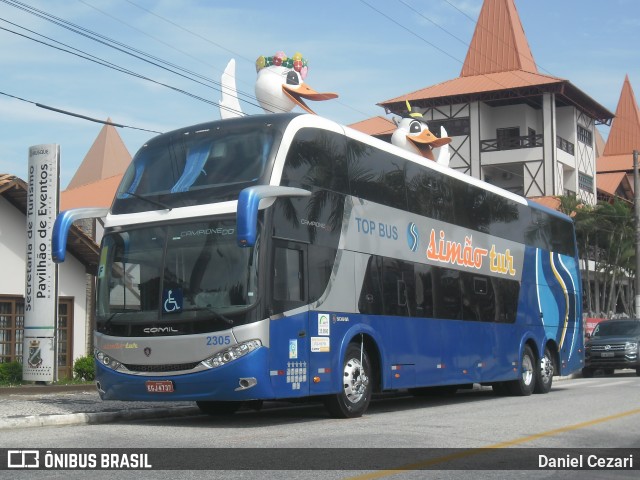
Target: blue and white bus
(286,256)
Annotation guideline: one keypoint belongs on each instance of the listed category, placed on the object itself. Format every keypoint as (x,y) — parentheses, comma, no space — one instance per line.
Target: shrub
(84,369)
(10,372)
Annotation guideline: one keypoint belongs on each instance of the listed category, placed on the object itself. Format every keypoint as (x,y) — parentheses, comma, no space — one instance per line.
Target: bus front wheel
(355,393)
(526,381)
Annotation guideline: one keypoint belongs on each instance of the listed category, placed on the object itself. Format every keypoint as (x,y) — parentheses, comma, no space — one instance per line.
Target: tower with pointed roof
(531,133)
(95,182)
(615,165)
(108,156)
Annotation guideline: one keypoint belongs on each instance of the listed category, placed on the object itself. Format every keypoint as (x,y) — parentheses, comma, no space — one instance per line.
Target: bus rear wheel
(544,373)
(217,409)
(355,394)
(526,381)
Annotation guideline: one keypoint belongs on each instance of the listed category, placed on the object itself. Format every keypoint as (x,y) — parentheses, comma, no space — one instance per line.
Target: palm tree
(605,235)
(617,221)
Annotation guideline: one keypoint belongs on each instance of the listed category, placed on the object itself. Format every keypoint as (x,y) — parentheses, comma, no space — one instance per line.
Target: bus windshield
(205,163)
(187,278)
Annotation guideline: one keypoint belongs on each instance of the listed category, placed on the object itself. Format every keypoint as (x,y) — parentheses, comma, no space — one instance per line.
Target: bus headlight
(106,360)
(232,353)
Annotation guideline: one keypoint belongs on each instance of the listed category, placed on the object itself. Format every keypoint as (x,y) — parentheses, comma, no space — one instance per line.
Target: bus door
(289,338)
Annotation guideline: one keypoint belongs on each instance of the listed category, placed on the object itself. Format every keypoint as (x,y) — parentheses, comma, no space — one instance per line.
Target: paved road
(34,406)
(580,413)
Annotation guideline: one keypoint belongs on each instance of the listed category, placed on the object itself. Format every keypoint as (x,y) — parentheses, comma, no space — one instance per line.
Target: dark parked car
(613,344)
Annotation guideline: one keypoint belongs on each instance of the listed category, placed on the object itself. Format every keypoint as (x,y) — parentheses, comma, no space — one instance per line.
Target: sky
(366,51)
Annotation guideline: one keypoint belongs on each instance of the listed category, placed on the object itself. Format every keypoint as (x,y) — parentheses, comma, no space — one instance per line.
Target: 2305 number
(218,340)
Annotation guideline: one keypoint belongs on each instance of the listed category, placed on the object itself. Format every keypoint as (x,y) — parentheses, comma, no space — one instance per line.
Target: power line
(221,47)
(99,61)
(119,46)
(73,114)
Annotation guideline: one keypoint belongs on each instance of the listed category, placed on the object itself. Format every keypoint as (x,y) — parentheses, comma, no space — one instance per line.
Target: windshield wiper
(153,202)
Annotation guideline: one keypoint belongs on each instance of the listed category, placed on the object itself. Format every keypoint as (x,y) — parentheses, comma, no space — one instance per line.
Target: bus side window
(398,288)
(424,290)
(448,299)
(371,295)
(288,275)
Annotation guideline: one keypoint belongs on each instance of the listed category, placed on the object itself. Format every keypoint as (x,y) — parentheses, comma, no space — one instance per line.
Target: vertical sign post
(41,287)
(636,209)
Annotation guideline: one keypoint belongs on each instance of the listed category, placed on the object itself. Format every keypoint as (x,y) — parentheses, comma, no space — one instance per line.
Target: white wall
(13,247)
(566,123)
(523,116)
(71,274)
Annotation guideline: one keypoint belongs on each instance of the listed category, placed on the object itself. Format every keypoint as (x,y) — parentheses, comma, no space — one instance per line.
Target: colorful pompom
(297,62)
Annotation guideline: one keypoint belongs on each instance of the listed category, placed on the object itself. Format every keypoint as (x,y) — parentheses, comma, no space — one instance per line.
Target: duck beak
(426,141)
(299,92)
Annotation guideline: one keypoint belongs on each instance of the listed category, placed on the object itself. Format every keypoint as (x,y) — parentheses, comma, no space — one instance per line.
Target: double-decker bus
(286,256)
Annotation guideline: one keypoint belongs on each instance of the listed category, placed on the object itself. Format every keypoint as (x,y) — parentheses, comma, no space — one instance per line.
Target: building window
(12,332)
(585,136)
(508,138)
(585,182)
(11,329)
(455,127)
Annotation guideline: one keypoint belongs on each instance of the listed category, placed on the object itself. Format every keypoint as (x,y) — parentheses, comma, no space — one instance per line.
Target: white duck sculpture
(280,84)
(414,135)
(279,87)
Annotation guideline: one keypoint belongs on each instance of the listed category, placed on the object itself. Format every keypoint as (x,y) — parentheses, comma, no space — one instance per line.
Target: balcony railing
(511,143)
(565,145)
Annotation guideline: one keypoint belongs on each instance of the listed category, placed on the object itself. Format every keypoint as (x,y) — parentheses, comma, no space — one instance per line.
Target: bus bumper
(222,383)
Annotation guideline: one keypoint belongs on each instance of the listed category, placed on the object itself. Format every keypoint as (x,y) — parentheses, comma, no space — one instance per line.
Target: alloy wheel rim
(355,381)
(527,370)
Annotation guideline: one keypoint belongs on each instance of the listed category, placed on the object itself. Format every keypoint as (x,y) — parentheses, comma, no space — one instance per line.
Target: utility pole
(636,209)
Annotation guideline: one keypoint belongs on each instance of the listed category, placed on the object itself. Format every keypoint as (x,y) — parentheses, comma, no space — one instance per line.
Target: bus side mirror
(62,225)
(249,204)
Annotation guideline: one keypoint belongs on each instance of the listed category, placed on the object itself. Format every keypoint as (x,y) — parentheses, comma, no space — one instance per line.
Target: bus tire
(355,393)
(544,373)
(217,409)
(526,381)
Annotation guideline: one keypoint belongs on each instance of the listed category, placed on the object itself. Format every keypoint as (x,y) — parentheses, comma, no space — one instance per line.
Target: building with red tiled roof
(73,332)
(615,184)
(379,127)
(99,193)
(108,156)
(530,133)
(616,162)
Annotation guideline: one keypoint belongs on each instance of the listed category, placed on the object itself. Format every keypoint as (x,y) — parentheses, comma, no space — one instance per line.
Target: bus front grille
(161,368)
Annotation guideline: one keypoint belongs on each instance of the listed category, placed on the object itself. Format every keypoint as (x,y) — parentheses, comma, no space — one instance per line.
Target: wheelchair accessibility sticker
(172,300)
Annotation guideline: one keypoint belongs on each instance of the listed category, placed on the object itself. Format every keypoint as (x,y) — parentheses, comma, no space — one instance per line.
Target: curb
(96,417)
(45,389)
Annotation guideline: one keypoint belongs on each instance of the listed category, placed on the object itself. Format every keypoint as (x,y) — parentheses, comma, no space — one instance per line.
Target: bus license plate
(159,386)
(607,354)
